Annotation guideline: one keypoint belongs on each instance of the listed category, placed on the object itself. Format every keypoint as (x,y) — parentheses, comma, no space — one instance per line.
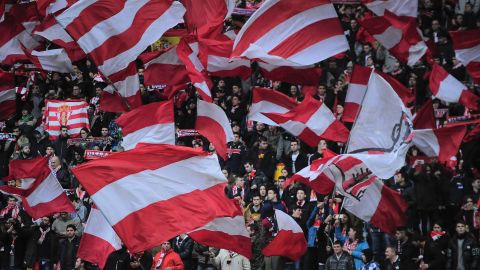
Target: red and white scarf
(14,208)
(235,191)
(162,256)
(43,235)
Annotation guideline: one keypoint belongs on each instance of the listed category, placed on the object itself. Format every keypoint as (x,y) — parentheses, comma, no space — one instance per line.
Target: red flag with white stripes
(467,50)
(442,142)
(46,7)
(212,122)
(304,75)
(7,95)
(356,91)
(213,12)
(311,121)
(157,128)
(228,233)
(291,33)
(99,239)
(170,189)
(407,8)
(289,241)
(425,118)
(41,193)
(72,113)
(196,71)
(445,87)
(114,34)
(216,54)
(399,35)
(267,100)
(164,68)
(51,30)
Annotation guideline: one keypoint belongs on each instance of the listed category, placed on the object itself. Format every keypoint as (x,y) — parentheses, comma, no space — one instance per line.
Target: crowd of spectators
(443,221)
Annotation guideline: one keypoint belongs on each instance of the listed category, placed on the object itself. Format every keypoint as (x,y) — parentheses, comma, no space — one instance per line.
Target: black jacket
(469,249)
(184,249)
(47,250)
(300,163)
(67,261)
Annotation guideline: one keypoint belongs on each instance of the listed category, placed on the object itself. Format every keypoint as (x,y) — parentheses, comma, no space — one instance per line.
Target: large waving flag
(7,95)
(356,91)
(153,123)
(289,241)
(291,33)
(311,121)
(42,195)
(99,239)
(207,12)
(267,100)
(212,122)
(467,50)
(445,87)
(304,75)
(56,60)
(114,33)
(170,189)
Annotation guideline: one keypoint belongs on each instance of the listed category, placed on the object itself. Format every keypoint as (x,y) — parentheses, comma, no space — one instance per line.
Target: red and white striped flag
(170,189)
(164,68)
(51,30)
(304,75)
(99,239)
(445,87)
(157,128)
(407,8)
(228,233)
(311,121)
(291,33)
(212,122)
(425,118)
(114,34)
(311,176)
(442,143)
(289,241)
(41,195)
(8,105)
(356,91)
(399,35)
(72,114)
(267,100)
(216,54)
(46,7)
(196,71)
(213,12)
(55,60)
(467,50)
(16,30)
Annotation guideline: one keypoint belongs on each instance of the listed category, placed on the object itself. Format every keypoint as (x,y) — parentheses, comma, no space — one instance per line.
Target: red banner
(96,154)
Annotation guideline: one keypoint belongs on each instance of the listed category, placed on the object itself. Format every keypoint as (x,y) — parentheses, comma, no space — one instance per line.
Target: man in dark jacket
(60,145)
(296,160)
(339,260)
(462,250)
(42,246)
(431,256)
(263,158)
(68,248)
(183,245)
(407,251)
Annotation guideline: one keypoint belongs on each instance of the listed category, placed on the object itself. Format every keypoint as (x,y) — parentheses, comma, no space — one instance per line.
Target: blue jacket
(357,254)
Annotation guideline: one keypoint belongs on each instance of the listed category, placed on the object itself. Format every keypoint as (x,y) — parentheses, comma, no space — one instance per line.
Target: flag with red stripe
(425,118)
(72,114)
(207,12)
(267,100)
(8,105)
(356,91)
(188,53)
(447,88)
(170,189)
(157,128)
(289,241)
(41,195)
(55,60)
(407,8)
(291,33)
(311,121)
(304,75)
(212,122)
(442,142)
(399,35)
(228,233)
(215,55)
(467,50)
(99,239)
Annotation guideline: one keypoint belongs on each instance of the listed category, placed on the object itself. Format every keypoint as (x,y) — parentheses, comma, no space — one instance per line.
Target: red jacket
(171,260)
